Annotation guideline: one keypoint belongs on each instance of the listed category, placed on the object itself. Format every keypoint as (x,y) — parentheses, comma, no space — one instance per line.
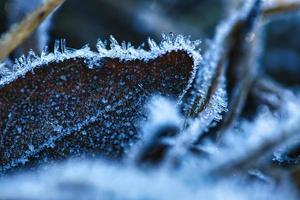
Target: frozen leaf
(83,103)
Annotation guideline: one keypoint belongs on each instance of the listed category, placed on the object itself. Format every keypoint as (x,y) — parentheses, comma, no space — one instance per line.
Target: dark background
(83,22)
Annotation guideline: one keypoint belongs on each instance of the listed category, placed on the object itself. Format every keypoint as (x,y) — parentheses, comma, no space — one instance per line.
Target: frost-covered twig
(19,32)
(263,136)
(242,69)
(227,52)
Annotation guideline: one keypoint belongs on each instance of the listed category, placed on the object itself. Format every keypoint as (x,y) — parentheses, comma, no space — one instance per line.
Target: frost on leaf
(74,103)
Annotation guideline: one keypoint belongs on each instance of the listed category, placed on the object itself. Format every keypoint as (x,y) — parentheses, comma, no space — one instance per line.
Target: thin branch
(281,8)
(19,32)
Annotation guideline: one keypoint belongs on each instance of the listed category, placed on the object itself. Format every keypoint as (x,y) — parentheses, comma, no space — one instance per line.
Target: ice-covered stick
(244,52)
(241,67)
(262,139)
(18,33)
(229,50)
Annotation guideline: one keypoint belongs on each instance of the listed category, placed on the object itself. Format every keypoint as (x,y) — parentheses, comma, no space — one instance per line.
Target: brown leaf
(64,108)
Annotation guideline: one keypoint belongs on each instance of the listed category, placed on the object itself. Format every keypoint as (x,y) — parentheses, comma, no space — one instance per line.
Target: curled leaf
(79,102)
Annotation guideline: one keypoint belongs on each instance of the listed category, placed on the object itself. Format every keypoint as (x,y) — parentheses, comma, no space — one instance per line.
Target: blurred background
(83,22)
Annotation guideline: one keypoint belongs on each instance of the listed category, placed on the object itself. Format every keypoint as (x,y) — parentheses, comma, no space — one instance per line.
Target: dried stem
(19,32)
(241,70)
(281,8)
